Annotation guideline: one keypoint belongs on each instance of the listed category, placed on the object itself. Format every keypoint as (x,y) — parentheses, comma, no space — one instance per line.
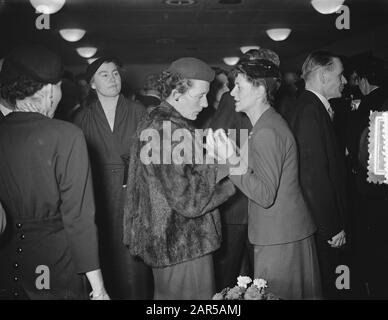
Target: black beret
(261,54)
(192,68)
(93,67)
(35,61)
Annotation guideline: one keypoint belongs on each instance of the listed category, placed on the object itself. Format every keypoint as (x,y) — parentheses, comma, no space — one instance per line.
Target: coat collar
(267,114)
(166,111)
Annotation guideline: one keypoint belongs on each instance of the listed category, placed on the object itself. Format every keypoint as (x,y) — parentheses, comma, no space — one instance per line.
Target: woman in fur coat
(171,219)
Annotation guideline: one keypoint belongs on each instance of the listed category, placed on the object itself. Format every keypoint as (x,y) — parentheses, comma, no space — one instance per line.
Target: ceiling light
(87,52)
(245,49)
(47,6)
(279,34)
(327,6)
(180,2)
(72,35)
(231,61)
(91,60)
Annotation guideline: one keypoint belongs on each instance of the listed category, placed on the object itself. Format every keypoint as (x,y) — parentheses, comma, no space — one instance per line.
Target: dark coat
(170,214)
(125,278)
(46,191)
(148,101)
(322,165)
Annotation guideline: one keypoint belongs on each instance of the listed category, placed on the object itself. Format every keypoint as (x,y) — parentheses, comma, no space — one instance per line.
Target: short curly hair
(169,81)
(23,87)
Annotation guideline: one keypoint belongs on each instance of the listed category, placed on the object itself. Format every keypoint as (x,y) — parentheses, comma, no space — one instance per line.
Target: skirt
(190,280)
(291,269)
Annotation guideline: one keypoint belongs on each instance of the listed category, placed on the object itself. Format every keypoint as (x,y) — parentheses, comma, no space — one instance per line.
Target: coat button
(15,294)
(22,236)
(19,225)
(16,265)
(19,250)
(15,278)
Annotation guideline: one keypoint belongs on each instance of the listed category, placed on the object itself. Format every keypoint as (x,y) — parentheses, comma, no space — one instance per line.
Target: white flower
(260,283)
(243,281)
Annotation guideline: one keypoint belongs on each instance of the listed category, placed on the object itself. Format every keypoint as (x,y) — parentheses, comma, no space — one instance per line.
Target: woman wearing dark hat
(170,219)
(279,224)
(50,242)
(109,123)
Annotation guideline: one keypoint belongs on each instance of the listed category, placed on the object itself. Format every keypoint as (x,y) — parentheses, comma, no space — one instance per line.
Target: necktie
(331,113)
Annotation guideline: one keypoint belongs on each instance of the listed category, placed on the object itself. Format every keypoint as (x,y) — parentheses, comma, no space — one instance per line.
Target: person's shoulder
(64,129)
(82,113)
(134,105)
(308,106)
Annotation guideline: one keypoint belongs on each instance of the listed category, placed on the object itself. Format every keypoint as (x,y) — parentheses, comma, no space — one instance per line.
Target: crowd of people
(150,196)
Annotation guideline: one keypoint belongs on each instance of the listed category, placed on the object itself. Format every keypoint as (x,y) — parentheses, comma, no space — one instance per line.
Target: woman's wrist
(98,295)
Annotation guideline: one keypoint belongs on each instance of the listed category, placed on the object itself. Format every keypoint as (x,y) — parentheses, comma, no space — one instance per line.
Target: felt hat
(192,68)
(93,67)
(260,63)
(35,61)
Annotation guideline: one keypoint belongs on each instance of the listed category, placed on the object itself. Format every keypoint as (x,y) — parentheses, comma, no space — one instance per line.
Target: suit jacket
(277,212)
(322,165)
(235,209)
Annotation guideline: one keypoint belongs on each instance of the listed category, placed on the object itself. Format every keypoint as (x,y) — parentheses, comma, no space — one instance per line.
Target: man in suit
(322,168)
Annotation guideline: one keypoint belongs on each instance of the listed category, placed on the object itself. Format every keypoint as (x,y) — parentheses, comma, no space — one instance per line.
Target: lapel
(119,114)
(319,105)
(262,120)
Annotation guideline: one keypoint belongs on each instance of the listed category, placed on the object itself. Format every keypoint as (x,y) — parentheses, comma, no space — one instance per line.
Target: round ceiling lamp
(87,52)
(279,34)
(245,49)
(47,6)
(231,61)
(72,35)
(327,6)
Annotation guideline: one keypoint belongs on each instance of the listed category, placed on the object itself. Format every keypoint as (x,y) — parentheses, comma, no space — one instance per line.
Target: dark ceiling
(149,31)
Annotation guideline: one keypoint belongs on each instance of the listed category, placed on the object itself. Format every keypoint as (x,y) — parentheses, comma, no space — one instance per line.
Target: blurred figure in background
(217,88)
(289,90)
(149,95)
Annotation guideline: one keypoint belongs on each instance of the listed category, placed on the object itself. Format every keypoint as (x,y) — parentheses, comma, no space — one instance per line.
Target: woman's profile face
(244,93)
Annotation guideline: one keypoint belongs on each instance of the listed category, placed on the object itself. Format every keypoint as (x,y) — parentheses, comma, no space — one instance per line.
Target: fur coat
(170,212)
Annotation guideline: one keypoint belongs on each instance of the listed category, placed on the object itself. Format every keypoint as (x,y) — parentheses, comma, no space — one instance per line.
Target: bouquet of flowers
(246,289)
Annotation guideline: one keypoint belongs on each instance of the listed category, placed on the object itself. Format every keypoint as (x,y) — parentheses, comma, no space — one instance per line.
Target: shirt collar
(4,110)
